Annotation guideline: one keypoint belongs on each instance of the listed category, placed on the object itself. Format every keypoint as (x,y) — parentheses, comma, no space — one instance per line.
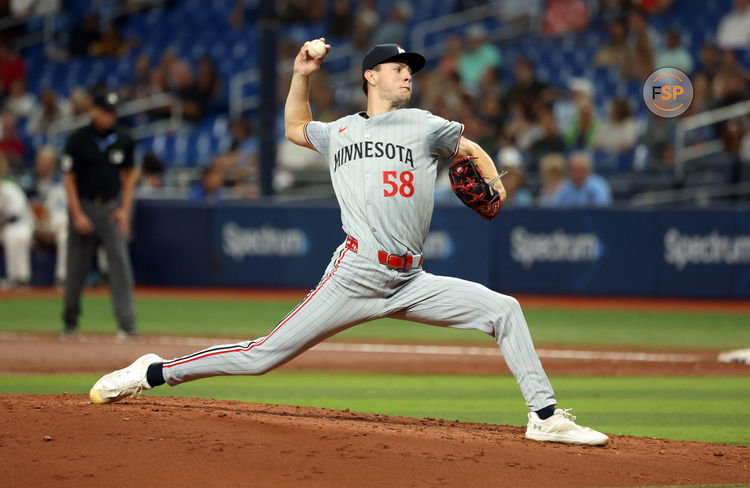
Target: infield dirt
(64,440)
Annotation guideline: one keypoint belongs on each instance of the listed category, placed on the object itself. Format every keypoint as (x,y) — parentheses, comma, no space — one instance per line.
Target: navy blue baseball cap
(384,53)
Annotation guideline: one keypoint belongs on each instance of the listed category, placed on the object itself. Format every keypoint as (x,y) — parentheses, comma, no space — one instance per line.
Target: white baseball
(316,48)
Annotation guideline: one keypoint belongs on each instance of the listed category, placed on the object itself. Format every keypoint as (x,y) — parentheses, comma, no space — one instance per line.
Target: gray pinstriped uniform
(383,172)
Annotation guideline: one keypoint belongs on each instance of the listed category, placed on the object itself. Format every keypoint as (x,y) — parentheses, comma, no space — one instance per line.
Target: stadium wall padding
(674,253)
(688,253)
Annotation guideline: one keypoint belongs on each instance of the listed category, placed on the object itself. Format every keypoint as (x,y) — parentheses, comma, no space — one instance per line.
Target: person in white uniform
(16,231)
(383,164)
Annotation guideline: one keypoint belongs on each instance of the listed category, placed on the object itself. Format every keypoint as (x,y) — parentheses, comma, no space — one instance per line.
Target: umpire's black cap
(383,53)
(106,100)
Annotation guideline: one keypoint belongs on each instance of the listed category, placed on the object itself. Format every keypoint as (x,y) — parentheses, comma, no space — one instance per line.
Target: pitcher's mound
(154,441)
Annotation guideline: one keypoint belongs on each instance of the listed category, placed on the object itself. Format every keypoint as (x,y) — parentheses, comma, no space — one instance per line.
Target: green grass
(697,409)
(250,318)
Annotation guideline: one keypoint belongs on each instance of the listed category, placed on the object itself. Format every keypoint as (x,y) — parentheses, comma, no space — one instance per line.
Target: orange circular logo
(668,92)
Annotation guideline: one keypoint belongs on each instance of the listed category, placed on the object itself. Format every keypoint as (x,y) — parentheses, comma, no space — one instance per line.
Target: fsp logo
(668,92)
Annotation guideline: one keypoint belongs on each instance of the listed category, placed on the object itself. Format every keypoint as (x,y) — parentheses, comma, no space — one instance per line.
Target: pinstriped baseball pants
(355,288)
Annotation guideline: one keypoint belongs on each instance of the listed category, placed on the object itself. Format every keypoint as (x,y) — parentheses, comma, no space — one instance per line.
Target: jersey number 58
(391,180)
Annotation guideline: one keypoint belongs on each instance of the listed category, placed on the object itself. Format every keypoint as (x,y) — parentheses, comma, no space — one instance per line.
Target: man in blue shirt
(583,188)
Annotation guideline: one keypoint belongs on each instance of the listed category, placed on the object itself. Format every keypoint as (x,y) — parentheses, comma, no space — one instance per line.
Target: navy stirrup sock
(154,376)
(544,413)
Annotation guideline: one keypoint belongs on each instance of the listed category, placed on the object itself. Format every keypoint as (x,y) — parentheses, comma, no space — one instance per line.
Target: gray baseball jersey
(383,171)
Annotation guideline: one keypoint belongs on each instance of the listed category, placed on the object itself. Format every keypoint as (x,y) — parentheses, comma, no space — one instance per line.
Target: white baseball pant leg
(17,245)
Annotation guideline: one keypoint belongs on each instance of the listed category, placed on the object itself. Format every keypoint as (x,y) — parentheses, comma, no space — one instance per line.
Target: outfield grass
(697,409)
(253,318)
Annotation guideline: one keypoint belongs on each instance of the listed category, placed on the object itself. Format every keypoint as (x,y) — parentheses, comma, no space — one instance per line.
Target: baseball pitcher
(383,164)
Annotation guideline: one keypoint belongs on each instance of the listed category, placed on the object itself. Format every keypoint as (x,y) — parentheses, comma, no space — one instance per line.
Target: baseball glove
(472,189)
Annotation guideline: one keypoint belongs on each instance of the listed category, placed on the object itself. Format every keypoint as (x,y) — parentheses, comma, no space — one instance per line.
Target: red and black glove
(472,189)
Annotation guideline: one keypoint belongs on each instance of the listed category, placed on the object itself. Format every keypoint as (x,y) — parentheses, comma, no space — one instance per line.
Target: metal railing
(135,107)
(683,153)
(701,195)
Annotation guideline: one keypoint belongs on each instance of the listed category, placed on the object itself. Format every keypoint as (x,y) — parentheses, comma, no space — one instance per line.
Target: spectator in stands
(582,133)
(729,61)
(16,230)
(710,61)
(241,162)
(723,168)
(208,85)
(657,143)
(369,8)
(194,101)
(583,188)
(552,171)
(478,56)
(448,62)
(642,42)
(20,101)
(549,140)
(80,101)
(394,31)
(509,159)
(110,44)
(140,87)
(11,145)
(731,155)
(674,55)
(565,17)
(84,36)
(614,54)
(734,28)
(51,223)
(210,188)
(702,99)
(12,68)
(528,90)
(565,107)
(50,109)
(341,19)
(240,14)
(620,133)
(158,81)
(519,126)
(729,87)
(151,181)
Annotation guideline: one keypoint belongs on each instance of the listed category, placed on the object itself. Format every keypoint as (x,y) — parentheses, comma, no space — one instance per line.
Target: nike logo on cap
(342,129)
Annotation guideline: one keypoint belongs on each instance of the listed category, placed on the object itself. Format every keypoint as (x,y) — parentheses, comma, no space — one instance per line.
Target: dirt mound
(64,440)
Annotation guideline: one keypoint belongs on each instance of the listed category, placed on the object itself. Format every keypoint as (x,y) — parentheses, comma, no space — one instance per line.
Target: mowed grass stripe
(696,409)
(232,318)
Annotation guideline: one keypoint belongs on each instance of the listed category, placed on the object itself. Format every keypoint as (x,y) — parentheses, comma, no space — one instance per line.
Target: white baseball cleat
(561,427)
(130,381)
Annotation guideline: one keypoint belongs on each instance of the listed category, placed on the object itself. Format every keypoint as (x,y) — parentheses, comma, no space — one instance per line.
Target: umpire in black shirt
(100,180)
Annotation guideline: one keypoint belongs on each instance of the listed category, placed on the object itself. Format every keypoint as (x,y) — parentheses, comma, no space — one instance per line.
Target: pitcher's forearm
(297,109)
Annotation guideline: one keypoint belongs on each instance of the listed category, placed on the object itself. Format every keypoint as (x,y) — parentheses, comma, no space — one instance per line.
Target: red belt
(391,260)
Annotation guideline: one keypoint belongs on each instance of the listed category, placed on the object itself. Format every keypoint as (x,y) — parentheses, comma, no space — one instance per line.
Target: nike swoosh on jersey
(342,129)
